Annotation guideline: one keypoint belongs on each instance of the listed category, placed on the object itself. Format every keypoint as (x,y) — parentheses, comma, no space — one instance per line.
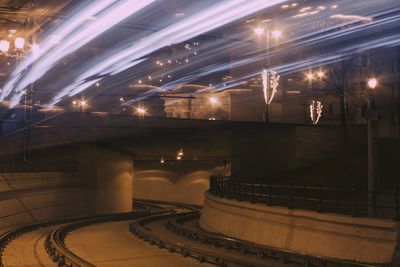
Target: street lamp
(214,102)
(140,111)
(372,83)
(259,31)
(4,46)
(19,43)
(372,118)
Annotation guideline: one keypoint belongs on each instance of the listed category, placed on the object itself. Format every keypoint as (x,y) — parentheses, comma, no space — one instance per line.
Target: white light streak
(70,42)
(351,17)
(203,21)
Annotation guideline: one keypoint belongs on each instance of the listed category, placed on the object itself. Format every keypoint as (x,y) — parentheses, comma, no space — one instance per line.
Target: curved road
(110,244)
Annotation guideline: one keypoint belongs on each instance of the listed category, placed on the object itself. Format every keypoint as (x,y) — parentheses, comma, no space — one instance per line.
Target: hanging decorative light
(270,85)
(315,111)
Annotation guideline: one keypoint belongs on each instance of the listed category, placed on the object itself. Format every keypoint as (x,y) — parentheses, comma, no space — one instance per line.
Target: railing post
(269,203)
(354,202)
(397,202)
(231,189)
(220,187)
(320,193)
(212,184)
(238,193)
(253,192)
(290,200)
(374,210)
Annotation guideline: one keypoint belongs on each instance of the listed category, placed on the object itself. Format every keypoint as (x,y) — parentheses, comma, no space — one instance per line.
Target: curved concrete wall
(326,235)
(184,183)
(32,197)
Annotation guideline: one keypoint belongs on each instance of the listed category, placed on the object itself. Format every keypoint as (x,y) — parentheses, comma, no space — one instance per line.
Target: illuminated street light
(19,43)
(259,31)
(372,120)
(4,46)
(372,83)
(213,100)
(141,111)
(309,76)
(179,154)
(320,74)
(276,34)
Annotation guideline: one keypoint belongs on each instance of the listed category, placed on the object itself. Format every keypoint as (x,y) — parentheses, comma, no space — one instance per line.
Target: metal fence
(352,201)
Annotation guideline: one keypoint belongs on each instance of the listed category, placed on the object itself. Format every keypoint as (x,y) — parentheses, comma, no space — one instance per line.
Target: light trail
(300,43)
(201,22)
(351,20)
(73,36)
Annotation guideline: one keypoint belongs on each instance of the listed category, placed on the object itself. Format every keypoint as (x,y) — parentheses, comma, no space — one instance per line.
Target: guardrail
(353,201)
(177,226)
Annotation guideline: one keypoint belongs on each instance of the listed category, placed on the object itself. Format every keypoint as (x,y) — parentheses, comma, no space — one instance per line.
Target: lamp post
(276,34)
(372,117)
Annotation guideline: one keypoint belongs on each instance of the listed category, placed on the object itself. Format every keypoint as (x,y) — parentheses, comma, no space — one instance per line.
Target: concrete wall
(270,152)
(32,197)
(326,235)
(102,185)
(185,183)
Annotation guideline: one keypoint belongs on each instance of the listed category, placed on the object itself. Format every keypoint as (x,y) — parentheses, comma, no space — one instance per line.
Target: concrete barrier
(328,235)
(27,198)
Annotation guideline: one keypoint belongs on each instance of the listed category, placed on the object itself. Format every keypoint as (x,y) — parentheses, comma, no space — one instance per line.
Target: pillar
(109,177)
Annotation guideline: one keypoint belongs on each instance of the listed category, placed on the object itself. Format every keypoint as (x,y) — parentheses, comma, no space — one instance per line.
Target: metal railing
(352,201)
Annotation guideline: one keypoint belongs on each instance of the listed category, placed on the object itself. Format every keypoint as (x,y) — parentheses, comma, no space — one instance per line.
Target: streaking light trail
(76,33)
(205,20)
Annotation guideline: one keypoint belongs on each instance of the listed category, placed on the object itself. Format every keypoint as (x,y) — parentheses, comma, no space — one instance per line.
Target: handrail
(353,201)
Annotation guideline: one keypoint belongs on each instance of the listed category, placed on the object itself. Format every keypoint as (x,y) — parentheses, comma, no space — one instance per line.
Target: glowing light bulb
(372,83)
(276,34)
(4,46)
(310,76)
(320,74)
(141,111)
(19,43)
(213,100)
(259,31)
